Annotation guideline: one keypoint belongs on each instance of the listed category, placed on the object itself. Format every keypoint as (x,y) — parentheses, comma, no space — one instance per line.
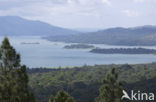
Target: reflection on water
(52,54)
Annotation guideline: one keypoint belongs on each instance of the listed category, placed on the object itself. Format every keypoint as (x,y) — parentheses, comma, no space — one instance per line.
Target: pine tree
(61,96)
(52,99)
(13,76)
(111,90)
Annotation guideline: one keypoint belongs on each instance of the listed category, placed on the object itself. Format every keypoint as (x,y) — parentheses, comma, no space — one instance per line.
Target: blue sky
(84,13)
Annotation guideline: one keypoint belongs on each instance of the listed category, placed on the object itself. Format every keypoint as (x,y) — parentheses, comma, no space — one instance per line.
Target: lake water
(52,54)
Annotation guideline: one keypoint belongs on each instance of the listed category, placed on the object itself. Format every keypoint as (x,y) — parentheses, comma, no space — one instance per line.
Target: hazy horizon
(85,29)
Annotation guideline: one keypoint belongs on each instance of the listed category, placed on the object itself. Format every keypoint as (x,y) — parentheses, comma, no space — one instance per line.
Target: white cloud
(107,2)
(20,7)
(139,1)
(142,1)
(130,13)
(73,13)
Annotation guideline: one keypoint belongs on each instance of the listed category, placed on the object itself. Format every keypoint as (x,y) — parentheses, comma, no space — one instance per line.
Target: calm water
(51,54)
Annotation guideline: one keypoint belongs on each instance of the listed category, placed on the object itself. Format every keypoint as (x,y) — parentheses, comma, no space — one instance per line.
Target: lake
(52,54)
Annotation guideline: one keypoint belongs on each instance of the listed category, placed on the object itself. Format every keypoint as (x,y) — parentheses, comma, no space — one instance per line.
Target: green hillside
(83,83)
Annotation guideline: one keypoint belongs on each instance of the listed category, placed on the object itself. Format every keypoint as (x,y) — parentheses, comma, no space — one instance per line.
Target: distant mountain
(85,30)
(17,26)
(144,35)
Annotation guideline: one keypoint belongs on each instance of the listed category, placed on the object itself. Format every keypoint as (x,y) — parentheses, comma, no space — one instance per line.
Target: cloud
(51,7)
(142,1)
(107,2)
(139,1)
(130,13)
(73,13)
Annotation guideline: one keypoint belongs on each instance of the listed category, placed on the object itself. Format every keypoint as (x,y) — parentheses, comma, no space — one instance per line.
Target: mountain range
(143,35)
(17,26)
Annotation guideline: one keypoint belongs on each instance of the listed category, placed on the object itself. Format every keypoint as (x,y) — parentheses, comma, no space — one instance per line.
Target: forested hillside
(144,35)
(83,83)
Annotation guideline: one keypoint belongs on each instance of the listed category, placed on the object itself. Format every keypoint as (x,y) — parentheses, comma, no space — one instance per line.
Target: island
(124,51)
(79,46)
(23,43)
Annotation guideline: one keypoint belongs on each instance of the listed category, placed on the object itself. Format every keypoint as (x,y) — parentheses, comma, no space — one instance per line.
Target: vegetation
(144,35)
(83,83)
(13,76)
(124,51)
(14,79)
(79,46)
(61,96)
(111,90)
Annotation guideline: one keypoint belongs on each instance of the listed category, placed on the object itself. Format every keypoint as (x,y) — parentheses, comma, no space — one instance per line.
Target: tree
(52,99)
(61,96)
(111,90)
(13,76)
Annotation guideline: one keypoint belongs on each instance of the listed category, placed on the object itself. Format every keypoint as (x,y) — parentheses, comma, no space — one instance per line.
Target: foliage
(79,46)
(111,90)
(13,76)
(83,82)
(61,96)
(124,51)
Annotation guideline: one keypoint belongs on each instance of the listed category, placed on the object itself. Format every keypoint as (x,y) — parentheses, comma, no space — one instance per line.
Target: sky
(84,13)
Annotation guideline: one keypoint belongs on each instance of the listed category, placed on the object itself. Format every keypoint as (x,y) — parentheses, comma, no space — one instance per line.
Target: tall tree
(52,99)
(61,96)
(13,76)
(111,90)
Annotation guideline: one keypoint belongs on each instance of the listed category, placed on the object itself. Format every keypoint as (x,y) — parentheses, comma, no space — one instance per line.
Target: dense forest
(124,51)
(83,83)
